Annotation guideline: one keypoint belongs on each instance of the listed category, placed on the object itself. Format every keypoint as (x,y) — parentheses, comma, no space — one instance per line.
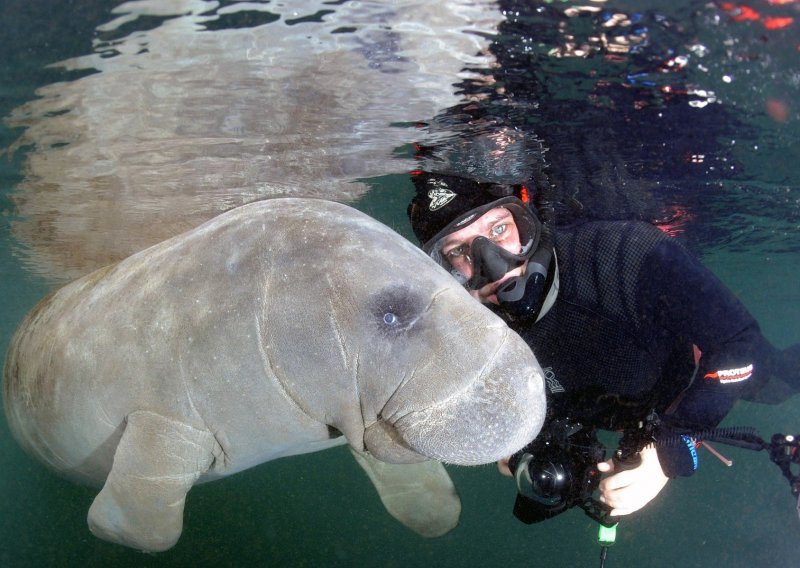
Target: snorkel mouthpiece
(490,262)
(522,297)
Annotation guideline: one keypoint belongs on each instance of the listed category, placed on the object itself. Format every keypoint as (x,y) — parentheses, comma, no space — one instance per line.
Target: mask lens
(488,262)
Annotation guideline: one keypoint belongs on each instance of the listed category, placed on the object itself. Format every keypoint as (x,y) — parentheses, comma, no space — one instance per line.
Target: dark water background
(721,175)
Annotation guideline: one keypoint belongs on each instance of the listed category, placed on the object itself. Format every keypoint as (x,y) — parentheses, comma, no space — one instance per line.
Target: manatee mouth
(495,415)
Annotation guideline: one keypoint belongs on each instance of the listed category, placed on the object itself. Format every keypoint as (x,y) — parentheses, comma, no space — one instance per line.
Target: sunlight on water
(185,116)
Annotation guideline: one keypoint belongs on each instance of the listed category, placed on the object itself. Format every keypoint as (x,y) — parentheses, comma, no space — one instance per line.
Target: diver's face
(498,226)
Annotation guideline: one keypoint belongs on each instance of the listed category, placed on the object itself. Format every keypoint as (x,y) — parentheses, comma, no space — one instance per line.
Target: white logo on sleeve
(731,375)
(552,382)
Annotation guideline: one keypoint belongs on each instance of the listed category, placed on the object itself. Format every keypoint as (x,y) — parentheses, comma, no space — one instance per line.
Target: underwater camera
(558,471)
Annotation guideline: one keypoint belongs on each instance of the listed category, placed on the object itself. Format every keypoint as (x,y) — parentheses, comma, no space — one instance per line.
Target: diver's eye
(390,319)
(498,230)
(456,252)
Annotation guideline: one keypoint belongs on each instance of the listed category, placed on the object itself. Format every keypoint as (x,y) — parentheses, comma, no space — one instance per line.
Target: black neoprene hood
(443,201)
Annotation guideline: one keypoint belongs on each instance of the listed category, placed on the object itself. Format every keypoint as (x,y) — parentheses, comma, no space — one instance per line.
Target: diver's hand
(632,489)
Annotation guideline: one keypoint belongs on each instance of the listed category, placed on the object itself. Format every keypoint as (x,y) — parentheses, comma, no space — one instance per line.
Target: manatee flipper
(419,495)
(157,461)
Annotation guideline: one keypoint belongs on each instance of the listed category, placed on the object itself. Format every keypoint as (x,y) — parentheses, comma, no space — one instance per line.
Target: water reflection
(666,113)
(198,106)
(601,102)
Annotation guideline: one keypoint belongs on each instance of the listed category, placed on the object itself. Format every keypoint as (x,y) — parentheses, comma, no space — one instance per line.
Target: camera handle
(626,456)
(599,511)
(625,459)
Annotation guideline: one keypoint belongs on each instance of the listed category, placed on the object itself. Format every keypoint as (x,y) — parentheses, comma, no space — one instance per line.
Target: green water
(320,509)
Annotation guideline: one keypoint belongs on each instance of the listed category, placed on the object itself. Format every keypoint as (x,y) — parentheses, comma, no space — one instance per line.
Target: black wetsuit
(640,324)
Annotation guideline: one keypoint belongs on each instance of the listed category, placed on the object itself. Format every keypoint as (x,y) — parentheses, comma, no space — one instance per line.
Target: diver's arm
(690,302)
(680,295)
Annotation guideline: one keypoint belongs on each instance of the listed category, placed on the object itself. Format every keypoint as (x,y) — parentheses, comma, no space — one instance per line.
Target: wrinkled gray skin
(261,334)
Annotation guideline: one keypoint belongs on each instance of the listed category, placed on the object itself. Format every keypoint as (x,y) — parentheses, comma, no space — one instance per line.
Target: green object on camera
(607,536)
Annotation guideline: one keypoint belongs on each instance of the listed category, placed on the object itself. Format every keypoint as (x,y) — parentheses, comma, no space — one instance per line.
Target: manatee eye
(397,308)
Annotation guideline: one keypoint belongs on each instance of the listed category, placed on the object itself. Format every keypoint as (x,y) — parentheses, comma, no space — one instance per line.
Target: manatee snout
(497,413)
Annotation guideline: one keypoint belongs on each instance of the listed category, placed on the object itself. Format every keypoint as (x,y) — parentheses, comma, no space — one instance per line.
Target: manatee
(281,327)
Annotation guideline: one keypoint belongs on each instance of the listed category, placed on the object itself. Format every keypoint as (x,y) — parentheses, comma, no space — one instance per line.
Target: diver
(622,318)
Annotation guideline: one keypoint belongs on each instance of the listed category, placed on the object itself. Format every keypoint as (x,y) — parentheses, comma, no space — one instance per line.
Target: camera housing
(558,471)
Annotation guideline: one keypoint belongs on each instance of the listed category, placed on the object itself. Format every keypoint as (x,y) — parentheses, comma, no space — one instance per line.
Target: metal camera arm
(634,440)
(575,452)
(784,451)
